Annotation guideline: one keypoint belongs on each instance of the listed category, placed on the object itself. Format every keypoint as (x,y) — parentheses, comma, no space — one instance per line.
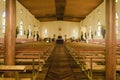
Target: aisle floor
(63,67)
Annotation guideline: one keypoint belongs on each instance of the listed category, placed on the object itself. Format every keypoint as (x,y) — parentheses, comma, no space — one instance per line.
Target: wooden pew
(91,66)
(12,68)
(33,54)
(28,55)
(15,68)
(90,58)
(81,55)
(35,68)
(7,79)
(90,63)
(33,59)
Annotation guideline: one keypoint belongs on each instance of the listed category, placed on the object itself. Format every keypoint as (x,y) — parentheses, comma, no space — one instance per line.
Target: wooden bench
(35,54)
(7,79)
(15,68)
(91,66)
(15,79)
(32,59)
(12,68)
(90,58)
(95,63)
(85,55)
(35,68)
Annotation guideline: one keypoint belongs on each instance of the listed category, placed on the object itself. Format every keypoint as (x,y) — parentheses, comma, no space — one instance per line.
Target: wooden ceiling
(63,10)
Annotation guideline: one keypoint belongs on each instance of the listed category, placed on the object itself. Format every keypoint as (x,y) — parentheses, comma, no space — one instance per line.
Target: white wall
(28,19)
(2,9)
(67,28)
(91,20)
(26,16)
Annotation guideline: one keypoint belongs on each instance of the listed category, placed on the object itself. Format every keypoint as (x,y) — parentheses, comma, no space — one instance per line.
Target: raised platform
(59,41)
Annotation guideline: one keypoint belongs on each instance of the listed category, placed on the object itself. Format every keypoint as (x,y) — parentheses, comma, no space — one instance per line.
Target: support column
(10,34)
(110,41)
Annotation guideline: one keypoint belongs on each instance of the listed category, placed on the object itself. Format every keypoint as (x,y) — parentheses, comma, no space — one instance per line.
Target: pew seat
(35,67)
(7,78)
(96,67)
(12,68)
(15,68)
(15,79)
(89,68)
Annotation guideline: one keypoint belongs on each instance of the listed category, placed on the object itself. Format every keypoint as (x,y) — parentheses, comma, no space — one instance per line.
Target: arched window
(99,29)
(29,31)
(3,22)
(21,31)
(116,1)
(116,23)
(45,33)
(74,34)
(90,31)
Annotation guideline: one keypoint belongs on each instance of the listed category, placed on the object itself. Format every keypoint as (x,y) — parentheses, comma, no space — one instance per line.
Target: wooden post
(10,38)
(110,41)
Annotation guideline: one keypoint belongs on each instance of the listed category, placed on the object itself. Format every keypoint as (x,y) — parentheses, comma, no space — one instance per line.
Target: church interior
(59,40)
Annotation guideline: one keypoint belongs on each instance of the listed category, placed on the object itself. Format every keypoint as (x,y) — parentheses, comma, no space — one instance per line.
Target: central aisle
(63,67)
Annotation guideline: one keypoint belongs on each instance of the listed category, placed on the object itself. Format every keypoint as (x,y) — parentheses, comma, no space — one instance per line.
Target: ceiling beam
(80,17)
(54,16)
(60,8)
(47,16)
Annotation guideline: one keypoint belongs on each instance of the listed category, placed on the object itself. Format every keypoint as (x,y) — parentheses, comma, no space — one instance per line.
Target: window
(117,26)
(21,31)
(3,22)
(116,1)
(90,31)
(45,33)
(29,31)
(21,11)
(99,29)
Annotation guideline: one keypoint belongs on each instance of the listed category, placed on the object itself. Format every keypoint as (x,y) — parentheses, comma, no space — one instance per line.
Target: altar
(59,40)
